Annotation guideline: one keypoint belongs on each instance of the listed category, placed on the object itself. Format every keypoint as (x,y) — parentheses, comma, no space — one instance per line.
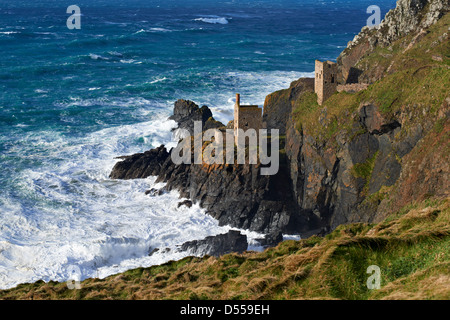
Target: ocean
(73,100)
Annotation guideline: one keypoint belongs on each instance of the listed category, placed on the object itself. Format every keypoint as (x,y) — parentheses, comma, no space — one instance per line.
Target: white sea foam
(115,54)
(77,216)
(127,60)
(158,80)
(80,217)
(97,57)
(213,20)
(159,30)
(154,30)
(103,101)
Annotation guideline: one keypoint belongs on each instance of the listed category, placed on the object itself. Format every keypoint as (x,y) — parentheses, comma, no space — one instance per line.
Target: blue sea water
(72,100)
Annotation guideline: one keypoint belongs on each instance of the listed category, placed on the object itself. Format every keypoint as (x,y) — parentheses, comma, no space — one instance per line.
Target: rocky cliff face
(278,105)
(234,194)
(377,150)
(334,182)
(410,17)
(357,158)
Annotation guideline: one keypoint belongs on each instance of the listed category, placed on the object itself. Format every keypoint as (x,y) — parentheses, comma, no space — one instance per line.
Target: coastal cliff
(408,21)
(350,160)
(363,155)
(235,194)
(367,171)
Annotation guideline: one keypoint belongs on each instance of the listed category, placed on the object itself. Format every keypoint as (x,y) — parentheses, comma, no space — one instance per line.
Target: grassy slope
(413,79)
(412,249)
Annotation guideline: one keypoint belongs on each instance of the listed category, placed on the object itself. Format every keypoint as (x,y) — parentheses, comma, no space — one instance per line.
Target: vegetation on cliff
(415,74)
(370,165)
(364,155)
(411,247)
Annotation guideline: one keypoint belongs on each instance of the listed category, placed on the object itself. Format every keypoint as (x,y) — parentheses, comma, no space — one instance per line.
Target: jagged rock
(152,251)
(404,146)
(271,239)
(278,105)
(408,17)
(140,165)
(186,112)
(187,203)
(371,118)
(154,192)
(236,195)
(212,124)
(233,241)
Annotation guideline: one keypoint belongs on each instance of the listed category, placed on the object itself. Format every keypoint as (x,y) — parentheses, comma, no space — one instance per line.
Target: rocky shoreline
(348,161)
(236,195)
(369,169)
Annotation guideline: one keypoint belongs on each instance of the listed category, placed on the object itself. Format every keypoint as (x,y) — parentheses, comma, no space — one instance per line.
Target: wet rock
(271,239)
(236,195)
(152,251)
(186,112)
(187,203)
(154,192)
(233,241)
(140,165)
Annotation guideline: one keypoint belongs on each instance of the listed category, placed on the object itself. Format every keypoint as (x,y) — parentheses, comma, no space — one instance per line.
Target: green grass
(423,86)
(396,260)
(411,247)
(415,83)
(364,170)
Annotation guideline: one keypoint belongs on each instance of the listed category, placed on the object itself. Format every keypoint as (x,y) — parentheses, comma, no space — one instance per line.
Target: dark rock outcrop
(186,112)
(278,105)
(321,183)
(154,192)
(271,239)
(233,241)
(408,17)
(186,203)
(140,165)
(152,250)
(235,194)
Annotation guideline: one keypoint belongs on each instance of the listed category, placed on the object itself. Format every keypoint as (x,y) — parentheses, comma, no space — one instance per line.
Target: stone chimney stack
(325,84)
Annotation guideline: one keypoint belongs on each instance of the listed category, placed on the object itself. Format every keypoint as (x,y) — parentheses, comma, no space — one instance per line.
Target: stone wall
(246,117)
(325,80)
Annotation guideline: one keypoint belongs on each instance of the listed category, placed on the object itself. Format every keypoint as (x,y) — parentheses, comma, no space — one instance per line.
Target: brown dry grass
(411,249)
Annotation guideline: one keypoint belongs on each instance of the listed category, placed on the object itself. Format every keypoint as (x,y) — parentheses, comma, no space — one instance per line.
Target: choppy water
(72,100)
